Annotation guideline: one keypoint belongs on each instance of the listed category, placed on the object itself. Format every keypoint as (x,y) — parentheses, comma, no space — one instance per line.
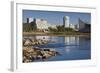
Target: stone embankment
(31,54)
(32,42)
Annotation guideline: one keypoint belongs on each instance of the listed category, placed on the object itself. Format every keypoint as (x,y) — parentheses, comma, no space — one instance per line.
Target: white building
(66,21)
(41,24)
(72,26)
(52,26)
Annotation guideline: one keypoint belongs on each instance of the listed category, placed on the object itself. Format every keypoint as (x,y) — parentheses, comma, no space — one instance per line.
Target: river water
(70,47)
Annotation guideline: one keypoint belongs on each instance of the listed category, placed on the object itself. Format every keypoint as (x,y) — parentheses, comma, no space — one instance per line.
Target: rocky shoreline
(31,51)
(31,54)
(32,42)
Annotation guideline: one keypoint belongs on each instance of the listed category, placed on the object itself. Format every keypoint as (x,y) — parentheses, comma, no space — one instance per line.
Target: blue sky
(54,17)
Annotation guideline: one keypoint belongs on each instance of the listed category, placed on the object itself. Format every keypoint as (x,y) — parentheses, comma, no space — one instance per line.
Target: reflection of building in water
(71,40)
(42,37)
(68,40)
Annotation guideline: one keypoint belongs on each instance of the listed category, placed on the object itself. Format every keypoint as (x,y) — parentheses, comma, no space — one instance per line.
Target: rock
(42,52)
(39,57)
(27,42)
(31,54)
(43,57)
(32,41)
(51,53)
(39,52)
(57,53)
(46,55)
(26,61)
(46,49)
(34,57)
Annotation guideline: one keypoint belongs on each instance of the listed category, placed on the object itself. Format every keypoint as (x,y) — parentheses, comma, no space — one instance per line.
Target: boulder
(31,54)
(27,42)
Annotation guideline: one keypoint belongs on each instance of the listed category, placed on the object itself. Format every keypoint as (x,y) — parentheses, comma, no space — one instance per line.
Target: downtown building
(84,27)
(43,25)
(66,21)
(40,24)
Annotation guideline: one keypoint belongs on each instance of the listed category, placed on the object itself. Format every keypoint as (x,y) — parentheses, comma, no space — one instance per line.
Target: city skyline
(55,17)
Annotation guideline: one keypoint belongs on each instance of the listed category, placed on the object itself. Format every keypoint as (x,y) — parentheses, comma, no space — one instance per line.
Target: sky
(55,17)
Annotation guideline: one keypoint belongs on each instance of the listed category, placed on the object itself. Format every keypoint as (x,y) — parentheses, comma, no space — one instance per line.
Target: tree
(52,29)
(60,29)
(69,29)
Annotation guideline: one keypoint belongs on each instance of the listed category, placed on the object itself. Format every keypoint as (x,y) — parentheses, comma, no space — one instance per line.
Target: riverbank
(56,33)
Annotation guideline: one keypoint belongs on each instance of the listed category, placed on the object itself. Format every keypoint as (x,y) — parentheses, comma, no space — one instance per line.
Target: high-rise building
(81,25)
(66,21)
(84,27)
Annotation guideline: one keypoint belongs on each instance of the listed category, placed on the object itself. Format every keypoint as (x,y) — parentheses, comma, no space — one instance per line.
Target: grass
(55,33)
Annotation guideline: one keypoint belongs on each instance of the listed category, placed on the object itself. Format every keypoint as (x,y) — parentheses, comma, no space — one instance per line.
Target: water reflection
(71,47)
(71,40)
(67,40)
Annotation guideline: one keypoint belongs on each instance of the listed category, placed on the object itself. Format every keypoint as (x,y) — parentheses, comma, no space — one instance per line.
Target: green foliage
(69,29)
(32,27)
(28,27)
(60,29)
(52,29)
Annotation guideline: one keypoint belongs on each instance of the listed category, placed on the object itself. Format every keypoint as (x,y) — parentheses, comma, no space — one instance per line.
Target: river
(73,47)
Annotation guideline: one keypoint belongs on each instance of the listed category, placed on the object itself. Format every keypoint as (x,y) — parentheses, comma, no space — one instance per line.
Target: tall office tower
(66,21)
(81,24)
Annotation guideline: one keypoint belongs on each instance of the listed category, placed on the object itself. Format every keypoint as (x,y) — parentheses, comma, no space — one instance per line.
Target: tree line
(32,27)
